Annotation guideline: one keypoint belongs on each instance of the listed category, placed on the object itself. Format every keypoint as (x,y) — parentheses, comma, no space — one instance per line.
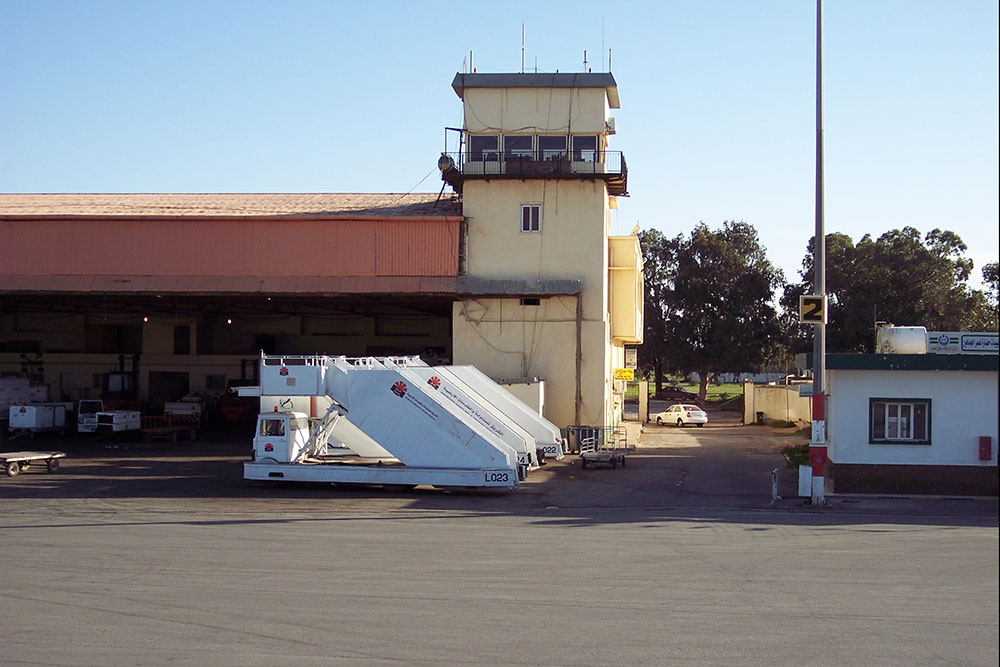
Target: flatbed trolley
(593,451)
(15,462)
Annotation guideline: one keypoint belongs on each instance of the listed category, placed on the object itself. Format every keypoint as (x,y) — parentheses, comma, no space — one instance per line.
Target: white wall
(963,407)
(782,402)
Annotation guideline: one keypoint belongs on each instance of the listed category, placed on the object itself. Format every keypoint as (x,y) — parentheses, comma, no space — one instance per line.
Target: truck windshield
(272,427)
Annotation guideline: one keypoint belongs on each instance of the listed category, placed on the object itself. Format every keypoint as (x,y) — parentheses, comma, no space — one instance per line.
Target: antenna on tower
(585,60)
(522,48)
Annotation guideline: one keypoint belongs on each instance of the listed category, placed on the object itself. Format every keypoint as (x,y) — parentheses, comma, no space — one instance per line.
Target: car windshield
(690,407)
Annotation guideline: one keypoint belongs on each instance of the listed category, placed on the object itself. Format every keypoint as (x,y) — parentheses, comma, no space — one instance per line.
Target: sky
(717,119)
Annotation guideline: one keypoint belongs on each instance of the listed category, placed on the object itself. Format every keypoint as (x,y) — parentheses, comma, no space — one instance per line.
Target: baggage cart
(14,462)
(612,452)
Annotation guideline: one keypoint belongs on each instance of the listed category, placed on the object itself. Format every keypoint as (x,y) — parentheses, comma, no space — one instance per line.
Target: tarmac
(721,467)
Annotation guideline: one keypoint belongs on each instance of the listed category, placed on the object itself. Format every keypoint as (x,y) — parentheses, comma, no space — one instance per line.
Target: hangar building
(514,271)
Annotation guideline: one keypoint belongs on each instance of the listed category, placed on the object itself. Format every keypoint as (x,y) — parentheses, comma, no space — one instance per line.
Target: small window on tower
(531,218)
(531,301)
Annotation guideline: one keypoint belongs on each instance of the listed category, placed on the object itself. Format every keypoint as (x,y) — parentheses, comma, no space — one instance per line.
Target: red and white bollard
(817,448)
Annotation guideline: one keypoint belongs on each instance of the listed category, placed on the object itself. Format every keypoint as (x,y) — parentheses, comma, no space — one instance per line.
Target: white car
(681,414)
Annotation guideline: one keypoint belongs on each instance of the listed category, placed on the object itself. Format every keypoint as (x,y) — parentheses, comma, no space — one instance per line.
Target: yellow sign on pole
(812,309)
(626,374)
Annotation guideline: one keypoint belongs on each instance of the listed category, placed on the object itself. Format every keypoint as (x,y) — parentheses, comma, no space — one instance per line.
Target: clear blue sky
(717,119)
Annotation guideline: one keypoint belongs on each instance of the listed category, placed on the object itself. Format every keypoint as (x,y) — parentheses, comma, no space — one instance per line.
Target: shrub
(795,455)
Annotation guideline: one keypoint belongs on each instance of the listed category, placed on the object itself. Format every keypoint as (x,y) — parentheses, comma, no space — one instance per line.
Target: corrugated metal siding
(416,248)
(199,247)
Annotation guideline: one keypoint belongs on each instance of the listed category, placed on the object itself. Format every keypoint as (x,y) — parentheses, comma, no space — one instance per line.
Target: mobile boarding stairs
(397,422)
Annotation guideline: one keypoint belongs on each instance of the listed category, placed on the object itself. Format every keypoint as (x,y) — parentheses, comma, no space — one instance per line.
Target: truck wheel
(12,468)
(52,465)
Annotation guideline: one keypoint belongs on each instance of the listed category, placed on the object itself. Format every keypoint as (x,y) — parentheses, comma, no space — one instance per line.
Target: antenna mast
(522,48)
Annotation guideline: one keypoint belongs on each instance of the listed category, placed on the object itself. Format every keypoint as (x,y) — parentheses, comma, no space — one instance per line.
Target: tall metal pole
(817,444)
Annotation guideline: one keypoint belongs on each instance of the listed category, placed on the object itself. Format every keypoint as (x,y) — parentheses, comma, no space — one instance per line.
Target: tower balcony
(608,166)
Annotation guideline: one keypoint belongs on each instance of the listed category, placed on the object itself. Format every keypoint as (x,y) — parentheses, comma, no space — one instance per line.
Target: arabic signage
(962,342)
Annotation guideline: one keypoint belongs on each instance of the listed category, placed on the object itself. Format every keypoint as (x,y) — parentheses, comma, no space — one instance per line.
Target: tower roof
(558,80)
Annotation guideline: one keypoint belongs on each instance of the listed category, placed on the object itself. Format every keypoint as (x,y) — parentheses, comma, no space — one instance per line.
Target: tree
(899,278)
(709,302)
(652,353)
(991,277)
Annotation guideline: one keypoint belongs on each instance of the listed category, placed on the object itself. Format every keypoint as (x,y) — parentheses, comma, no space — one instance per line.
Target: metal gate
(630,402)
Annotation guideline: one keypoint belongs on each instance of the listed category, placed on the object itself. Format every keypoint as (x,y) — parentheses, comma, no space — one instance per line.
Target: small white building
(912,423)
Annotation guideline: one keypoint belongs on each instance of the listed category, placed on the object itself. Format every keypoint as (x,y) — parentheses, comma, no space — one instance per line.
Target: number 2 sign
(812,309)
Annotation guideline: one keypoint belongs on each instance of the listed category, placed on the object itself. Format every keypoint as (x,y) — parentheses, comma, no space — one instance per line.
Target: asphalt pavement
(160,553)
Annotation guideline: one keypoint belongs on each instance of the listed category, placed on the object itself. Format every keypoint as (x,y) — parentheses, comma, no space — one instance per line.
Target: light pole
(817,442)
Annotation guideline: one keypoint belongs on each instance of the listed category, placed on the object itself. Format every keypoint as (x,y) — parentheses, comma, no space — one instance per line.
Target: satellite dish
(445,162)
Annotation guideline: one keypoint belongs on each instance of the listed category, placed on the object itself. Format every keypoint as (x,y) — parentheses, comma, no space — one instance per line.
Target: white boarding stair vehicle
(475,407)
(429,443)
(547,436)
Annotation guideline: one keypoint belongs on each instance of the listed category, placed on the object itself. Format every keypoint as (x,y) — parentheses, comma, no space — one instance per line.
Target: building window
(182,339)
(518,147)
(531,218)
(552,148)
(484,148)
(531,301)
(585,148)
(899,421)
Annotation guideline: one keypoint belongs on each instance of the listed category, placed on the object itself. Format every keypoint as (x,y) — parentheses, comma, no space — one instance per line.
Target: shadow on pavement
(702,476)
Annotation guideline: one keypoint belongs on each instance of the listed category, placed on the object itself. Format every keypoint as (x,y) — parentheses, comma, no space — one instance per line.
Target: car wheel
(680,422)
(659,422)
(700,425)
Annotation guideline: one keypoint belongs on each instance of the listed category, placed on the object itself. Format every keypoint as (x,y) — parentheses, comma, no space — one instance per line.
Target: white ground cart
(610,451)
(15,462)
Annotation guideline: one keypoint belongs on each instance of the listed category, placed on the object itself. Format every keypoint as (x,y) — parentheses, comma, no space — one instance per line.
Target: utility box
(116,421)
(805,481)
(37,417)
